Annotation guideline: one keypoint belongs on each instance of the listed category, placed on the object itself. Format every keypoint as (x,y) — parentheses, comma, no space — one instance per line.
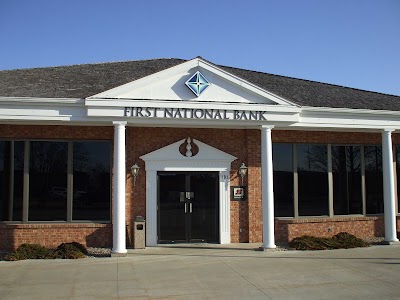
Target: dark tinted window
(283,180)
(346,171)
(373,179)
(11,180)
(48,181)
(91,192)
(312,164)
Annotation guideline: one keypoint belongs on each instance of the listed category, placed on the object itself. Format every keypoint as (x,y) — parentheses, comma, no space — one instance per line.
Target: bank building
(205,153)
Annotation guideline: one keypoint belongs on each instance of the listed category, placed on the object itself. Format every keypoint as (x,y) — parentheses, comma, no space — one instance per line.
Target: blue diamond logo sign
(197,83)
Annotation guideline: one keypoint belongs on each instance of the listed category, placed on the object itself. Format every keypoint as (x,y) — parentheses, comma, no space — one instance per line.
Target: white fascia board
(44,109)
(197,123)
(350,123)
(348,118)
(344,127)
(42,101)
(43,114)
(34,118)
(120,113)
(107,103)
(272,113)
(356,111)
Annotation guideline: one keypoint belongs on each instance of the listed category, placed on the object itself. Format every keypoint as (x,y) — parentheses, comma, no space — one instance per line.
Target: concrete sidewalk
(234,272)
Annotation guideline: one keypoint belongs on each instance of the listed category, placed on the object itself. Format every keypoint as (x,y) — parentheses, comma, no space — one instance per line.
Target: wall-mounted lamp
(135,172)
(242,171)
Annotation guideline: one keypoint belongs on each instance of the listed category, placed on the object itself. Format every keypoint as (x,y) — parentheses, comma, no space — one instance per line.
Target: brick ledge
(326,220)
(55,225)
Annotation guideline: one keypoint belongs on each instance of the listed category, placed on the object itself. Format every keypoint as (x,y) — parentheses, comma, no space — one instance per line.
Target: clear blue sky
(353,43)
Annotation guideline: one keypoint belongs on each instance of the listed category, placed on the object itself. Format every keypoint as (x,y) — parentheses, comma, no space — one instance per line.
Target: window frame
(26,174)
(330,181)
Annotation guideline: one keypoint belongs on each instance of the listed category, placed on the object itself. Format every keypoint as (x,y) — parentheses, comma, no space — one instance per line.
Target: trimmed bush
(72,250)
(347,240)
(78,246)
(307,242)
(30,251)
(341,240)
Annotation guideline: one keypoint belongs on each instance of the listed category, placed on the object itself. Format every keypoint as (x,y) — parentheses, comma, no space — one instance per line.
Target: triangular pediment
(181,157)
(169,85)
(180,151)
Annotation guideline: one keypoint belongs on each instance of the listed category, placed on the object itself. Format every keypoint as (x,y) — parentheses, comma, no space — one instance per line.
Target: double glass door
(188,207)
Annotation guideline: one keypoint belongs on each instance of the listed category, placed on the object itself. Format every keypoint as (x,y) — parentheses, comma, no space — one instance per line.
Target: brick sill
(327,219)
(54,225)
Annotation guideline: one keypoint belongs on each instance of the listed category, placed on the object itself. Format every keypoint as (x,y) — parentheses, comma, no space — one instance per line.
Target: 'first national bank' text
(191,113)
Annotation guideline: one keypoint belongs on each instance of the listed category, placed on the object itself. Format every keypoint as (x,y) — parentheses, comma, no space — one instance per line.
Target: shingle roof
(317,94)
(81,81)
(77,81)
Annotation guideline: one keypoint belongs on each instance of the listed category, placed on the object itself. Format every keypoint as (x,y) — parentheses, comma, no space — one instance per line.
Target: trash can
(139,233)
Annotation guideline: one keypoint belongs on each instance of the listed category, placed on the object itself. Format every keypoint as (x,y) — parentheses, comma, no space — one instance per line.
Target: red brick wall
(254,185)
(52,235)
(56,132)
(362,227)
(327,137)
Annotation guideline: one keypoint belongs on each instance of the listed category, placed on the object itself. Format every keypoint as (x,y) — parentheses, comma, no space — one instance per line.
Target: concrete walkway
(234,272)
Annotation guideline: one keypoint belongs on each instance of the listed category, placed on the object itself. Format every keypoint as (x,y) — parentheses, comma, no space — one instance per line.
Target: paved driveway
(235,272)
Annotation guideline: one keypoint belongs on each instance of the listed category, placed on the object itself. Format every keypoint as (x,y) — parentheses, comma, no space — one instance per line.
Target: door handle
(185,208)
(189,195)
(190,207)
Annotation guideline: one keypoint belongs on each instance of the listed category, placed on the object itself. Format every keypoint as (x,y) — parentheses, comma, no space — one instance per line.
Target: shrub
(79,246)
(347,240)
(307,242)
(70,251)
(30,251)
(341,240)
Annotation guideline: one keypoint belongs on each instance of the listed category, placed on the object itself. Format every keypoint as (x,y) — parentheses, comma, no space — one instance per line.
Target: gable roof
(82,81)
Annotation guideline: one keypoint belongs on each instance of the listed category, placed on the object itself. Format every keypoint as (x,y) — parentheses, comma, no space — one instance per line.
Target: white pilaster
(388,186)
(267,188)
(151,208)
(119,235)
(224,208)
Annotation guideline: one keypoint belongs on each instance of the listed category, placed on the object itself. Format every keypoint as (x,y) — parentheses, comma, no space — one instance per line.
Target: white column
(267,188)
(388,186)
(119,235)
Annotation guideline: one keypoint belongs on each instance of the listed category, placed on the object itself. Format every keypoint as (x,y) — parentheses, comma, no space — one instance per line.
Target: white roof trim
(349,110)
(38,101)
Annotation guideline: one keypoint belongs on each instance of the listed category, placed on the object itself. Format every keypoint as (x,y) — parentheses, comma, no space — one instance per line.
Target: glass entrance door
(188,207)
